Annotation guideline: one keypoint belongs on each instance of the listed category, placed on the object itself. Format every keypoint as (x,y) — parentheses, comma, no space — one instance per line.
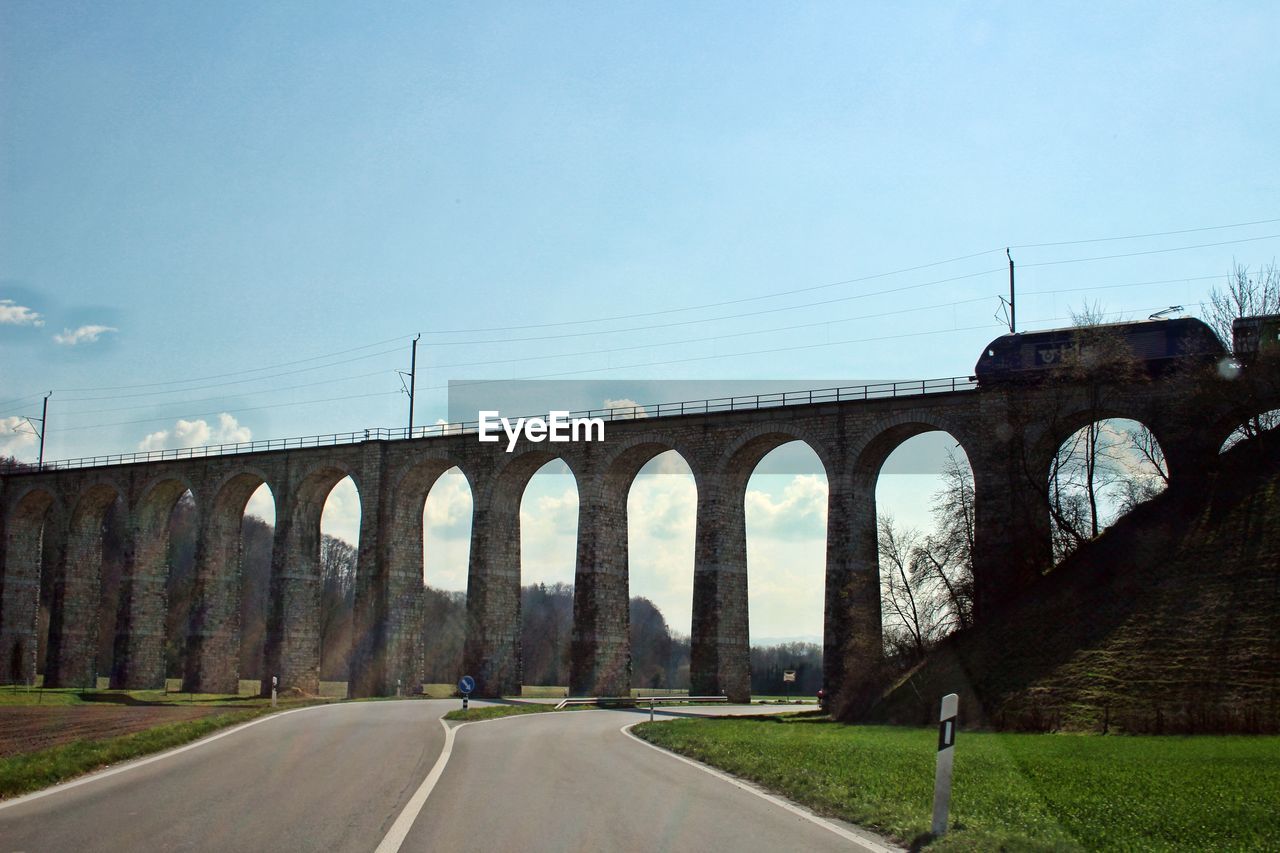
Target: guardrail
(836,394)
(638,700)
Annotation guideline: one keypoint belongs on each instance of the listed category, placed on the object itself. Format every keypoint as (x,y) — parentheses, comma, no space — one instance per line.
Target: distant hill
(1168,622)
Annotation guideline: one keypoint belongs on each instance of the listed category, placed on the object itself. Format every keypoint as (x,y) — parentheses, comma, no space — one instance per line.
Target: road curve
(325,778)
(575,782)
(339,777)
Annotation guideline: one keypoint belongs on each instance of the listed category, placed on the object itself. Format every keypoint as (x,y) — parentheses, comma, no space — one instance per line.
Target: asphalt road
(575,782)
(325,778)
(339,778)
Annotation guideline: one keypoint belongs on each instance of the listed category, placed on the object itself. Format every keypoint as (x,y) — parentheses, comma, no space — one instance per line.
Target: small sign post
(466,685)
(788,678)
(946,755)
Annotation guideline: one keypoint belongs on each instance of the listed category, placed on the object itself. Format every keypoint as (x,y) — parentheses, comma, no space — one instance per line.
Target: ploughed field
(28,728)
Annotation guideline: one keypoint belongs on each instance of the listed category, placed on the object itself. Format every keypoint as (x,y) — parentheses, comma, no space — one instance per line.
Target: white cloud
(662,516)
(197,433)
(82,335)
(548,529)
(13,314)
(800,512)
(624,409)
(15,436)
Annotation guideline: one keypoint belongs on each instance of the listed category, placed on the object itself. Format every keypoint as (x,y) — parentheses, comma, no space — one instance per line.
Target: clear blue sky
(229,187)
(192,190)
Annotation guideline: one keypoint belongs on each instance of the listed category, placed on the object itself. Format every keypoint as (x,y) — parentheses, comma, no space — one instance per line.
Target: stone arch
(898,597)
(404,641)
(1067,423)
(509,479)
(493,644)
(139,662)
(743,454)
(214,636)
(72,659)
(720,638)
(293,627)
(30,547)
(1176,453)
(600,651)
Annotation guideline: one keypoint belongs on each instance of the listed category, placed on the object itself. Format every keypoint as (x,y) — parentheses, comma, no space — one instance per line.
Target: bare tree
(1245,294)
(906,633)
(943,565)
(927,581)
(337,600)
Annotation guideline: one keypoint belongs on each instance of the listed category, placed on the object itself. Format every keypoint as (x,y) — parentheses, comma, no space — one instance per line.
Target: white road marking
(400,829)
(862,842)
(142,762)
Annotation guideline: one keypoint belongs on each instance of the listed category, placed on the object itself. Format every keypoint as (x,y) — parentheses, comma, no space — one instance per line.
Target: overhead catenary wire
(725,302)
(652,345)
(576,355)
(251,378)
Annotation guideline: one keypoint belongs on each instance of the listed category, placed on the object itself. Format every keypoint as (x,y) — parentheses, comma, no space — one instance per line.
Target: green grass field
(1012,791)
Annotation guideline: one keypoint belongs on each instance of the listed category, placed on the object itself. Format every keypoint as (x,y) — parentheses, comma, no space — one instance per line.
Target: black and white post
(946,754)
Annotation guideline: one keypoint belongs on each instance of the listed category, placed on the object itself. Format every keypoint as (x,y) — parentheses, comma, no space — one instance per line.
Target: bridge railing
(835,394)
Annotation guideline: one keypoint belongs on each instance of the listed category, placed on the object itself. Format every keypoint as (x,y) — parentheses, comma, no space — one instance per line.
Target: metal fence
(839,394)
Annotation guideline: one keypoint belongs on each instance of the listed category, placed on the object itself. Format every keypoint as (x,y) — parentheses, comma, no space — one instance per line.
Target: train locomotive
(1157,344)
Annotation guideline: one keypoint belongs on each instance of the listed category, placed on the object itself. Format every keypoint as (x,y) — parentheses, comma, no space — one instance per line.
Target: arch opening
(254,521)
(179,575)
(924,534)
(26,588)
(785,517)
(1098,473)
(337,553)
(661,516)
(548,521)
(1253,427)
(447,512)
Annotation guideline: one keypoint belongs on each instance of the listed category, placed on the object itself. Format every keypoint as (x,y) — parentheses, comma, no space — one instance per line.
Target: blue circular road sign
(466,684)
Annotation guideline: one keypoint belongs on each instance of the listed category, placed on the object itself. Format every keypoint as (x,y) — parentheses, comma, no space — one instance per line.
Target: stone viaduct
(52,522)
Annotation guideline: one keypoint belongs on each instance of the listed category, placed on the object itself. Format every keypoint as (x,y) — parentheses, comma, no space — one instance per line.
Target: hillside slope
(1168,622)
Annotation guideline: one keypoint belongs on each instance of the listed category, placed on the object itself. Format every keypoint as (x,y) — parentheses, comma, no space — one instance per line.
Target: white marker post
(274,682)
(946,754)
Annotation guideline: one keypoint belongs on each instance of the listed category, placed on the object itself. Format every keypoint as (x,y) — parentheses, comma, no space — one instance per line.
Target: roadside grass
(31,771)
(1012,791)
(493,712)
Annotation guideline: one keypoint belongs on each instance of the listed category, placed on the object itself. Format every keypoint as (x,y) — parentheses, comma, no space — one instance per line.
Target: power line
(769,351)
(762,312)
(232,373)
(1153,251)
(234,382)
(856,280)
(219,412)
(612,350)
(1144,236)
(226,396)
(721,304)
(187,382)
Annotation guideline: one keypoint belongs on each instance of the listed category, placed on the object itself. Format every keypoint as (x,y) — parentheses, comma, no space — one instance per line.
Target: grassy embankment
(1012,791)
(31,771)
